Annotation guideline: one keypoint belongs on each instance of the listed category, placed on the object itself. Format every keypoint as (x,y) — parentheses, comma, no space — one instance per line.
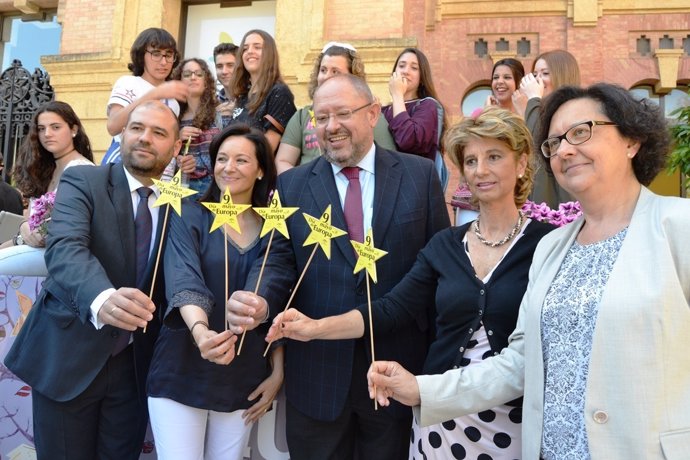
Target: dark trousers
(107,421)
(358,432)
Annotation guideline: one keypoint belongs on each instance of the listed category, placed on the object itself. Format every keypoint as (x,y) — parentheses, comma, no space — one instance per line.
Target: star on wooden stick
(226,212)
(322,232)
(275,216)
(368,255)
(172,192)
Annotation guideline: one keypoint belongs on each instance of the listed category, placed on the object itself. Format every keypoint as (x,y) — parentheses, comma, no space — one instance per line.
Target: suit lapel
(386,191)
(321,181)
(121,199)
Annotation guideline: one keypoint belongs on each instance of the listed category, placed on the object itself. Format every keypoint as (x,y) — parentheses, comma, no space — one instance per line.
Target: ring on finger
(112,310)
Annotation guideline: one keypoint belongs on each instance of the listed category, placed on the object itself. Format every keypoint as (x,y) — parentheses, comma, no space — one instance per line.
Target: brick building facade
(630,42)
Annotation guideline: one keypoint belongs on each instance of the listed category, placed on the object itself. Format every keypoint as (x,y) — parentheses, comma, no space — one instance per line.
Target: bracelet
(191,330)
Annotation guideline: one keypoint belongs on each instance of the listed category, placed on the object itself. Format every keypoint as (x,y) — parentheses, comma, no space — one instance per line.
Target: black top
(278,107)
(194,268)
(443,277)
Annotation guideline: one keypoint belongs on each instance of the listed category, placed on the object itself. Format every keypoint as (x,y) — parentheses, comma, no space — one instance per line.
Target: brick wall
(86,26)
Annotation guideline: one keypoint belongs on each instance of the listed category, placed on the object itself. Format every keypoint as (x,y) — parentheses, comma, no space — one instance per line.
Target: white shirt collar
(366,163)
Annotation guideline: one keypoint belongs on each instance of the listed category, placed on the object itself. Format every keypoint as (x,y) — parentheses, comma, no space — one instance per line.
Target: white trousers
(187,433)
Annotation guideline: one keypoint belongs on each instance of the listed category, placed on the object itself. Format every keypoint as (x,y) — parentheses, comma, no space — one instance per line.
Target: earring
(260,177)
(74,134)
(519,176)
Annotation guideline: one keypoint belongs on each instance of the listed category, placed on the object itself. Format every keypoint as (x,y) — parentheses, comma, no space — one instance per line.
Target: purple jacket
(416,130)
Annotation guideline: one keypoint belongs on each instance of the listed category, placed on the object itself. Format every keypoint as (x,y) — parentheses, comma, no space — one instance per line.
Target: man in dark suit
(329,413)
(82,348)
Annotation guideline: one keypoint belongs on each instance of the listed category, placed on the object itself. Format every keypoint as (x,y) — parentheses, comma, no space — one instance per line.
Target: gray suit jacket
(90,248)
(638,389)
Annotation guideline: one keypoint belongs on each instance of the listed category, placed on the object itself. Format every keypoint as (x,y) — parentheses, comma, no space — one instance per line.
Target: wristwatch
(18,239)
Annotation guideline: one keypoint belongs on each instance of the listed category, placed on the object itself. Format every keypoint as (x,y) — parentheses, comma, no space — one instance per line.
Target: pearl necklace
(508,237)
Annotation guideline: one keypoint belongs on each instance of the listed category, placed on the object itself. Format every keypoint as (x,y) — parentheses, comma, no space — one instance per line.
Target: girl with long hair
(198,123)
(263,99)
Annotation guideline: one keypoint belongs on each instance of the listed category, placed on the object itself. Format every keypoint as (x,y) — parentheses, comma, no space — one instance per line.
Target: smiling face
(503,85)
(190,76)
(541,70)
(225,67)
(491,169)
(330,67)
(251,54)
(149,141)
(408,67)
(599,164)
(54,134)
(237,168)
(344,142)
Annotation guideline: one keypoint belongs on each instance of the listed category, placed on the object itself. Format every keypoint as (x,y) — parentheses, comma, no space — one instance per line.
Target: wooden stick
(258,282)
(225,245)
(294,290)
(158,255)
(371,335)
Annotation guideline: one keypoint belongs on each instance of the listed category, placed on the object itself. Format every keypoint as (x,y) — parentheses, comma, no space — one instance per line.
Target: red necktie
(354,216)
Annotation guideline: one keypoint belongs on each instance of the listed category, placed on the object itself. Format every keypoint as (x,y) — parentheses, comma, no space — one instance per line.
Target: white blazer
(637,402)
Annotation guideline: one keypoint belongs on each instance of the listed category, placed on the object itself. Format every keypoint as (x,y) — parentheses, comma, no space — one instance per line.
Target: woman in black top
(263,100)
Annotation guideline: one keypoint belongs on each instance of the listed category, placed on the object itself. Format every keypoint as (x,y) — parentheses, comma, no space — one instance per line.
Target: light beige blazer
(637,404)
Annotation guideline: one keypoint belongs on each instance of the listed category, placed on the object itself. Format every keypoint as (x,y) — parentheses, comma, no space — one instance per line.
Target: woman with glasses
(263,100)
(470,279)
(154,55)
(198,124)
(299,145)
(601,344)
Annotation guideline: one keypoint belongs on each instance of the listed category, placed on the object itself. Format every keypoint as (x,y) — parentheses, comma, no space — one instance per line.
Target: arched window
(668,102)
(475,99)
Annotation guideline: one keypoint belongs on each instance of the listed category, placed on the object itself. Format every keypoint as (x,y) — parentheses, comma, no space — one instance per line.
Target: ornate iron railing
(21,93)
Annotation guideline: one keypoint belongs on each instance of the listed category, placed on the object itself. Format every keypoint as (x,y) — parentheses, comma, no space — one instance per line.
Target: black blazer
(90,248)
(409,208)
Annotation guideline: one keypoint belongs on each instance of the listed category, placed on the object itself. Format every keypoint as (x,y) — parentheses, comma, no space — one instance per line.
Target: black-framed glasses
(196,73)
(340,116)
(576,135)
(157,55)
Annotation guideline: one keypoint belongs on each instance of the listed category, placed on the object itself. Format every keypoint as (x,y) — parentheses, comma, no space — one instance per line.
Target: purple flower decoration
(40,213)
(565,214)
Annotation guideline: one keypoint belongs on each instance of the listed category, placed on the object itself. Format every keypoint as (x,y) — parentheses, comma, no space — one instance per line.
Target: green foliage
(680,157)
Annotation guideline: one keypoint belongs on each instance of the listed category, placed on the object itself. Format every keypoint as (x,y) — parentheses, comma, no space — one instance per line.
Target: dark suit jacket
(90,248)
(409,209)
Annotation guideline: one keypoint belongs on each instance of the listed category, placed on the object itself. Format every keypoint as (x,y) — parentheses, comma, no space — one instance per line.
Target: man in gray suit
(329,414)
(82,348)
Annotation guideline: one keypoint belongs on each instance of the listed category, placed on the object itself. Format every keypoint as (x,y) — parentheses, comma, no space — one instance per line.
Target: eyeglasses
(576,135)
(340,116)
(196,73)
(157,55)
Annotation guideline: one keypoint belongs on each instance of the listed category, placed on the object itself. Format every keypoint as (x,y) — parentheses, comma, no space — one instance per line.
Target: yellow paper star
(172,192)
(368,255)
(322,232)
(274,216)
(226,212)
